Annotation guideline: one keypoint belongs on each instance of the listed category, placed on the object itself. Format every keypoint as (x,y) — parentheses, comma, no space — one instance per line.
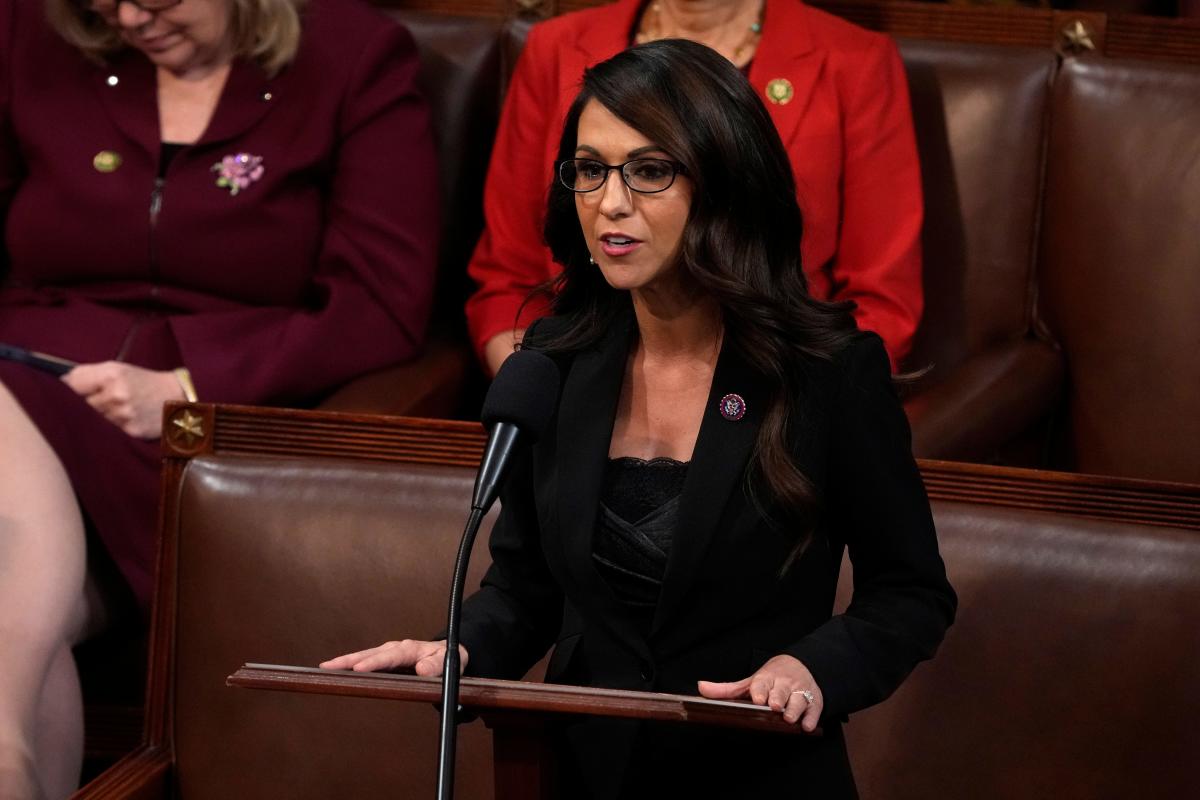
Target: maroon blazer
(318,271)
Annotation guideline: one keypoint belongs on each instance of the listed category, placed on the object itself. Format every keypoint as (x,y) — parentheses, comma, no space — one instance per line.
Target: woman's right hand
(129,397)
(425,658)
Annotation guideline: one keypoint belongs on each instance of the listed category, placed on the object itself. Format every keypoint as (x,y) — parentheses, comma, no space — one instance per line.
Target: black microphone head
(524,393)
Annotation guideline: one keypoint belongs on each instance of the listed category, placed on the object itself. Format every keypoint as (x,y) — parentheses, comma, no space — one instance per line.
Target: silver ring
(806,694)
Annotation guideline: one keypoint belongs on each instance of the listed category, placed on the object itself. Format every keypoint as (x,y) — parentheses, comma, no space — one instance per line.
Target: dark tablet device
(51,364)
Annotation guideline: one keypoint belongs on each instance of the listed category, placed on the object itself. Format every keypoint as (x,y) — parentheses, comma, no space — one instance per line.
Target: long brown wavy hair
(741,243)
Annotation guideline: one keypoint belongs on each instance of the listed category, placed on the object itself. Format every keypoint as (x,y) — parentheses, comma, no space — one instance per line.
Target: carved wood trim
(1156,38)
(1098,497)
(315,434)
(141,775)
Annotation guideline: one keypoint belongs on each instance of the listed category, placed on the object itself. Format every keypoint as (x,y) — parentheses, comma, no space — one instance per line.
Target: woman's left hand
(783,684)
(129,397)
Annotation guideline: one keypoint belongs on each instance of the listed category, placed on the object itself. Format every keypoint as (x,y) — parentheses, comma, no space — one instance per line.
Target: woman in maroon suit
(217,198)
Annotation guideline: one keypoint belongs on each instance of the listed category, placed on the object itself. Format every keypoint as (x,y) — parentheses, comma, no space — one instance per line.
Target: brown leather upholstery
(1121,263)
(294,562)
(461,79)
(980,114)
(1070,672)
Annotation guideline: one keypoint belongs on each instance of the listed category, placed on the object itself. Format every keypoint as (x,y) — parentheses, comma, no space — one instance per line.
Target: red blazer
(847,127)
(318,271)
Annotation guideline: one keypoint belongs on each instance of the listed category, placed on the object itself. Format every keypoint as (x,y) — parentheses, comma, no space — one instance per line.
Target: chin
(621,279)
(172,59)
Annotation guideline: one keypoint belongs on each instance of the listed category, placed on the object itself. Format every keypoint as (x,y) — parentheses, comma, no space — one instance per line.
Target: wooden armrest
(987,401)
(428,386)
(141,775)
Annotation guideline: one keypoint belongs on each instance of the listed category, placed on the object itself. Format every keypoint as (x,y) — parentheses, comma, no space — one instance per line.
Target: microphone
(516,411)
(517,408)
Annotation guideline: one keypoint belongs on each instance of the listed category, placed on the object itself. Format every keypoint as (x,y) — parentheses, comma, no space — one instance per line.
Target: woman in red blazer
(839,99)
(220,198)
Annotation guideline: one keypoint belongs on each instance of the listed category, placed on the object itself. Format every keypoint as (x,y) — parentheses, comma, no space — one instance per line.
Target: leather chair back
(461,77)
(293,562)
(1070,672)
(1121,264)
(980,115)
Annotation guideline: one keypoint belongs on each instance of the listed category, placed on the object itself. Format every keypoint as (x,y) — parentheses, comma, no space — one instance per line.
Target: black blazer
(725,607)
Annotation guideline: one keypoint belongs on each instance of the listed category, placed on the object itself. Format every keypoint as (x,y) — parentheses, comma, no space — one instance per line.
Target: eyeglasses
(644,175)
(110,6)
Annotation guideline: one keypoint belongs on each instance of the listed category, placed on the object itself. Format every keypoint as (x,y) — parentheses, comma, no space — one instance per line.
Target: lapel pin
(733,407)
(780,91)
(106,161)
(236,172)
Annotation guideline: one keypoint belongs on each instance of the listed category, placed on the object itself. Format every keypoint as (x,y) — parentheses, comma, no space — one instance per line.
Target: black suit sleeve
(902,603)
(512,620)
(514,617)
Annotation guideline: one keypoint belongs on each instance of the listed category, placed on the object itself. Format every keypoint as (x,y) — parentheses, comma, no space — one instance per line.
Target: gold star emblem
(780,91)
(1077,37)
(187,427)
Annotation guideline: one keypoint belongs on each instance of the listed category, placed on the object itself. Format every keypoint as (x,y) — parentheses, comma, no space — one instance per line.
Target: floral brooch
(237,172)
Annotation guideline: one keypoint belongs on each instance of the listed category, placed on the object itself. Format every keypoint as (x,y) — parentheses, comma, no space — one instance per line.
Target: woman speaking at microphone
(720,438)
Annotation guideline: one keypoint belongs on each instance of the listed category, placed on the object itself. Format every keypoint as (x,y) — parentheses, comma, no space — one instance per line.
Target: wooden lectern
(518,712)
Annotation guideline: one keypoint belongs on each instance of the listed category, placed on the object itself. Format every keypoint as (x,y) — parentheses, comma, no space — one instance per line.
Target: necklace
(651,29)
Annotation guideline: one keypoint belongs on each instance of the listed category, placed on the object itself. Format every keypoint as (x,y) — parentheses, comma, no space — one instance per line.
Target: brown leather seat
(980,114)
(1121,264)
(1069,672)
(294,563)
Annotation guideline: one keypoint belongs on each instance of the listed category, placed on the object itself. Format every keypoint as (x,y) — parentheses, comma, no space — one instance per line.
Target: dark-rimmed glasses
(642,175)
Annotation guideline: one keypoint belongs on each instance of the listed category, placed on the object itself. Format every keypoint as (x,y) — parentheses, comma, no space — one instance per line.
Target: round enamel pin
(780,91)
(733,407)
(106,161)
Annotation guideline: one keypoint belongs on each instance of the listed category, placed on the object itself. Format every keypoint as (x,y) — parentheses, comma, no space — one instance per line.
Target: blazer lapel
(786,65)
(723,449)
(129,92)
(587,411)
(247,97)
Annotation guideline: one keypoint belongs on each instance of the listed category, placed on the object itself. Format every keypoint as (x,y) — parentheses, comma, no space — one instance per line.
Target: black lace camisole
(639,504)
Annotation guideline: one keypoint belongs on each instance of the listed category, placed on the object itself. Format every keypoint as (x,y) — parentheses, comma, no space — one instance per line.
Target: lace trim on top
(639,505)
